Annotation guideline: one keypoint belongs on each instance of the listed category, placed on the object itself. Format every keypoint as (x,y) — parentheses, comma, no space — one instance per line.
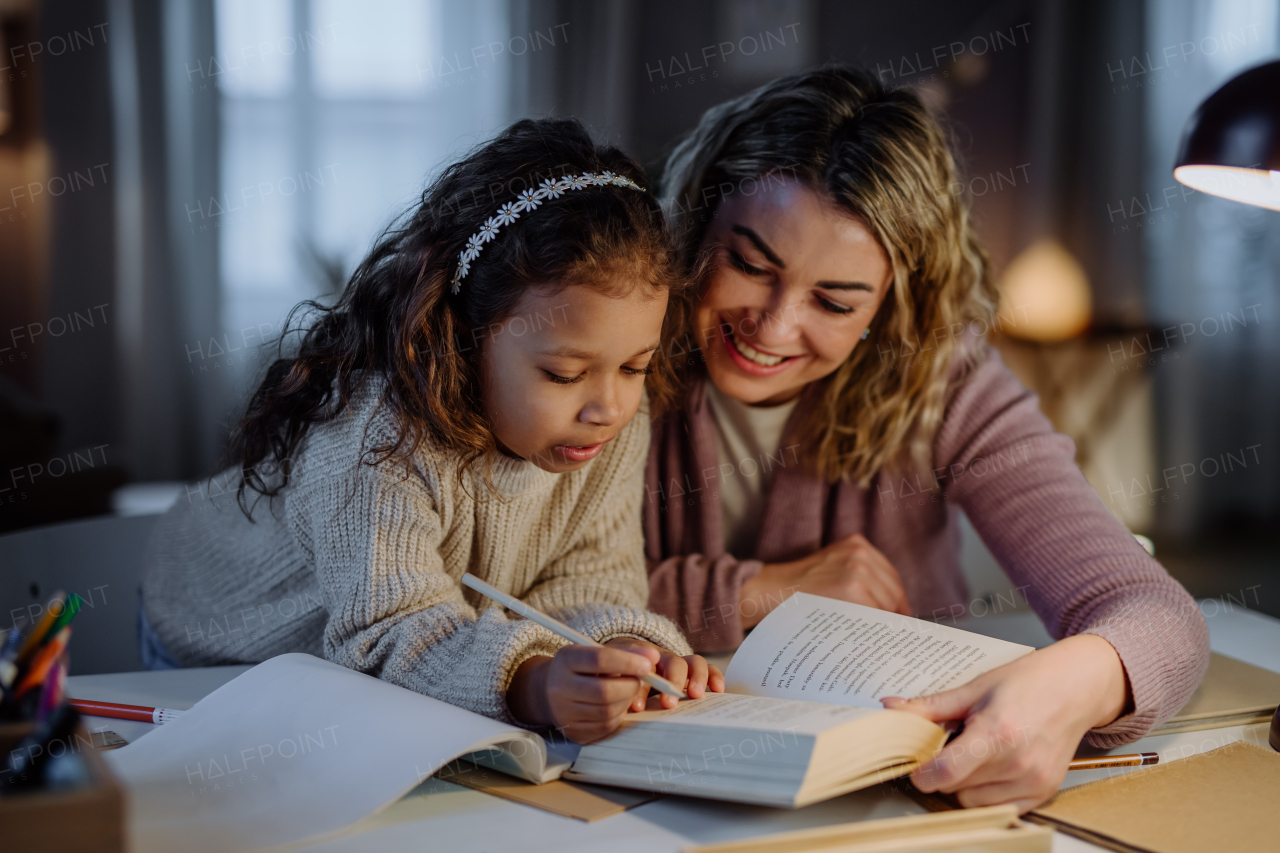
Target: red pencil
(141,713)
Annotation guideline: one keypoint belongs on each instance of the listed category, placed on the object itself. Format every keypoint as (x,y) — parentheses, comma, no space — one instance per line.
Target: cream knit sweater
(362,564)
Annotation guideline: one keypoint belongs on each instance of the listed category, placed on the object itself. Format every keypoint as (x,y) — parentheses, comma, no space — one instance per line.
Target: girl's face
(794,283)
(564,374)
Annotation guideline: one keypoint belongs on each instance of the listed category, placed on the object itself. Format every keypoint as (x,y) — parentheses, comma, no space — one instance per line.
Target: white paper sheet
(295,748)
(824,650)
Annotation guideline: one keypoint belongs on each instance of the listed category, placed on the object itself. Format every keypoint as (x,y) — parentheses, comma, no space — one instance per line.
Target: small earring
(865,333)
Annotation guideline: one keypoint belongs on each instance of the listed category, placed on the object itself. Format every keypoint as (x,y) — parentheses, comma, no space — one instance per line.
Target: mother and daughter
(558,392)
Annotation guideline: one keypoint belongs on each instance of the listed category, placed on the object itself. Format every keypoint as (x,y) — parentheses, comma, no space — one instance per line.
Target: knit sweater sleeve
(1081,570)
(373,538)
(599,584)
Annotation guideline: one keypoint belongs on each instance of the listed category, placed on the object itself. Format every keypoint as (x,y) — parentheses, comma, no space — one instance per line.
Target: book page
(756,713)
(823,650)
(295,748)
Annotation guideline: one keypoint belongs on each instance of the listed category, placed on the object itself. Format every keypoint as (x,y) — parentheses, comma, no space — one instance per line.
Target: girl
(468,405)
(842,411)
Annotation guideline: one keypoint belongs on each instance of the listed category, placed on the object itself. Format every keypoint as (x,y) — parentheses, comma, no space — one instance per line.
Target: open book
(254,763)
(774,737)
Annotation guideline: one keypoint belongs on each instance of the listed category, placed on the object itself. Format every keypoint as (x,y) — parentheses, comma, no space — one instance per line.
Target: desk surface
(459,818)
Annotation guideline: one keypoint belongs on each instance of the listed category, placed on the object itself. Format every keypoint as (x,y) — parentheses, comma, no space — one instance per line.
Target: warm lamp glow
(1046,293)
(1251,186)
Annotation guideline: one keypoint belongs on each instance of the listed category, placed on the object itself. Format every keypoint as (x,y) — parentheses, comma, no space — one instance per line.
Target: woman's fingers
(949,769)
(715,679)
(940,707)
(888,583)
(1000,793)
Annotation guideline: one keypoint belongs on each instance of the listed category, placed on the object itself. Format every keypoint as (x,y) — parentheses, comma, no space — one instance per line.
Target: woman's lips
(583,453)
(745,364)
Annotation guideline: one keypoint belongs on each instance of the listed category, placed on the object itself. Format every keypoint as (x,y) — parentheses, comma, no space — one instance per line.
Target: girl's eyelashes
(569,380)
(562,380)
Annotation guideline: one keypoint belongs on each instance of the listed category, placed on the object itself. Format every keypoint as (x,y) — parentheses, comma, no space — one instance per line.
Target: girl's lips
(745,364)
(580,454)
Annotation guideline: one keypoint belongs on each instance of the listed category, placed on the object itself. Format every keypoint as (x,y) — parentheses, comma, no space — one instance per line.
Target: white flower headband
(528,200)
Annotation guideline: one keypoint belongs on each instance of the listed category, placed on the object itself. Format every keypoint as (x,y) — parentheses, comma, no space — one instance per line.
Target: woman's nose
(779,321)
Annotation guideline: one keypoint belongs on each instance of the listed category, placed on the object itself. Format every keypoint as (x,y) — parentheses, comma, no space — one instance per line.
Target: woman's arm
(1084,573)
(703,597)
(1133,645)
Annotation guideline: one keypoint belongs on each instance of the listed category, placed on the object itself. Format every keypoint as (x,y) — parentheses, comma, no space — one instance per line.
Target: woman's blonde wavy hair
(880,156)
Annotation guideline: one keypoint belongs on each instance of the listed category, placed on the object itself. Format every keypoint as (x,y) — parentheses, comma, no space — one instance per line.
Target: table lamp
(1231,146)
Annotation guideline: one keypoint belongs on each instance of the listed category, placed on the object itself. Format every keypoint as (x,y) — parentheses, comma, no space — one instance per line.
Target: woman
(842,409)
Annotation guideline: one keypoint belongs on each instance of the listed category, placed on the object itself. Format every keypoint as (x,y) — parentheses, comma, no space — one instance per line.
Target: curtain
(1214,277)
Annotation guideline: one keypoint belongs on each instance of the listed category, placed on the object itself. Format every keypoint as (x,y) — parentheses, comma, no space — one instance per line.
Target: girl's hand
(692,673)
(583,691)
(851,569)
(1022,722)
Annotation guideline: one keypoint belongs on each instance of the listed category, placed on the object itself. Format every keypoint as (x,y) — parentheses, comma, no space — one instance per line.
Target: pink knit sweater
(995,457)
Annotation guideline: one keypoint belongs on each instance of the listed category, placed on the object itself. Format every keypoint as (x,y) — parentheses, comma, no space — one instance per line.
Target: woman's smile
(751,359)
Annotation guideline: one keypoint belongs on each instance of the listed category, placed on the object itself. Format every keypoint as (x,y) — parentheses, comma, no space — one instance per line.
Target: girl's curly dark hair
(398,319)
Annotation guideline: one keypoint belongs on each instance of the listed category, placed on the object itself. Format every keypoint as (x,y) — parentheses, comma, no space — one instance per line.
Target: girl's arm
(374,540)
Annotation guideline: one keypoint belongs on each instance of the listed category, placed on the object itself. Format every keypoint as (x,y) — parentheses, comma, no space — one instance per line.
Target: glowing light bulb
(1046,293)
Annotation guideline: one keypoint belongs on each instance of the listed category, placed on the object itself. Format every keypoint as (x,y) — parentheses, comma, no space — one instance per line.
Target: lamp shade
(1231,146)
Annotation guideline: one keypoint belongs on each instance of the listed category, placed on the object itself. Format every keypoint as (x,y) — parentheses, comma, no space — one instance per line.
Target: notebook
(1225,799)
(1233,693)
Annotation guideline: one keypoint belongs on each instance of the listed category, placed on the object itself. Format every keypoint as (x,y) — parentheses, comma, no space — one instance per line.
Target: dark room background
(175,176)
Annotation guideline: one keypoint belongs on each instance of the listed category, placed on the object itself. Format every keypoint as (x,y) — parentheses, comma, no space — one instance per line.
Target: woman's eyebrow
(845,285)
(759,244)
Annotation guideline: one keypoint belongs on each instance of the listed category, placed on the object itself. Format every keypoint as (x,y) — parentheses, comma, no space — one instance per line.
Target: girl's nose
(603,409)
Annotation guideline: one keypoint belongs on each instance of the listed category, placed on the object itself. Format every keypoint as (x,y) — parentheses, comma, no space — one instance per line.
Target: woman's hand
(1022,722)
(584,691)
(691,673)
(851,569)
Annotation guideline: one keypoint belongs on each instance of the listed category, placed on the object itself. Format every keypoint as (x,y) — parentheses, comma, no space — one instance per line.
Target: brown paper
(568,799)
(1225,799)
(989,829)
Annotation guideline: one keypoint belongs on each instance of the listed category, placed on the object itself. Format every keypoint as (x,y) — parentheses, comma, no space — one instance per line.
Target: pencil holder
(88,817)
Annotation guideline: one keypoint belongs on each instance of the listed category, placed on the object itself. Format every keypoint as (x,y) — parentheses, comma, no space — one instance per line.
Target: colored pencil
(115,710)
(69,612)
(41,629)
(44,659)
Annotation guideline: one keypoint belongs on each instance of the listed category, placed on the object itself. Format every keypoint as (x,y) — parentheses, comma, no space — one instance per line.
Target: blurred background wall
(175,175)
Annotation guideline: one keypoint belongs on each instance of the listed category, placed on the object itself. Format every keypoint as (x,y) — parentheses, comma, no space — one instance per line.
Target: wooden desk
(441,816)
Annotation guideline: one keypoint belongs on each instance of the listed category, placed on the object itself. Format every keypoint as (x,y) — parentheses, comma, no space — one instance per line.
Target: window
(334,115)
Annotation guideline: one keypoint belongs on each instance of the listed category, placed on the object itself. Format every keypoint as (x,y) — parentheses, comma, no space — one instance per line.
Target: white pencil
(657,682)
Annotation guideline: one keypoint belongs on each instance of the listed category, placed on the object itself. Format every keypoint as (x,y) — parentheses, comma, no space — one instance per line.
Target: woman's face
(795,282)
